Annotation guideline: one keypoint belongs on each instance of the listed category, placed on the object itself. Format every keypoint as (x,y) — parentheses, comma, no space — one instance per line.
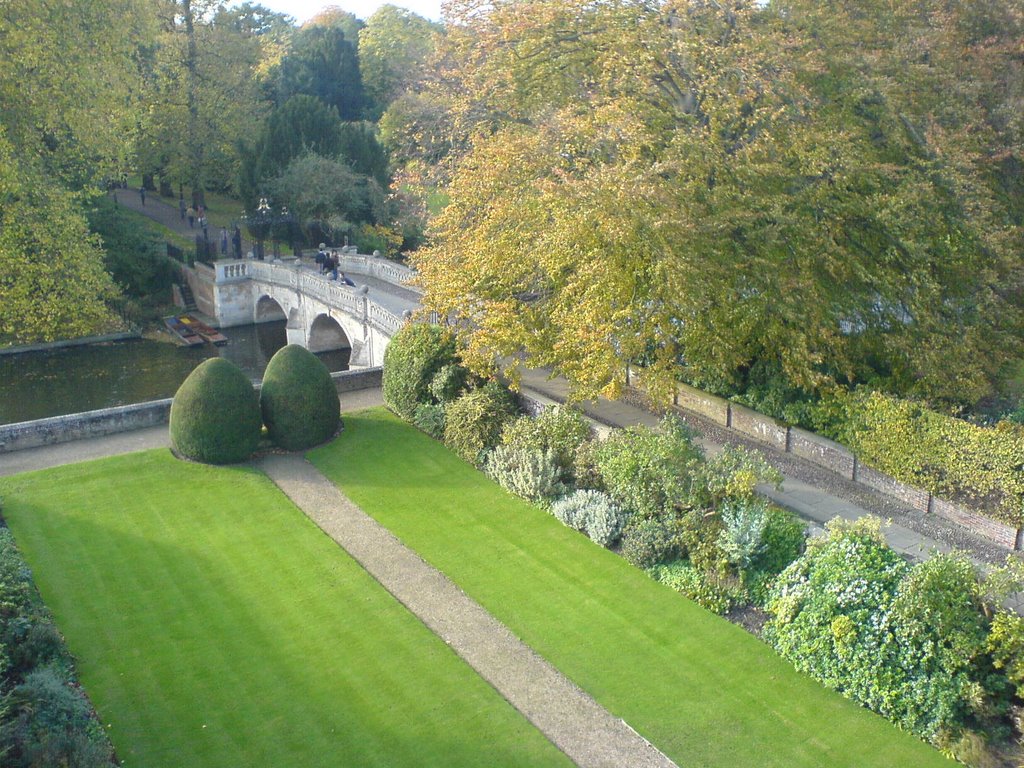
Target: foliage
(52,281)
(413,357)
(734,472)
(215,414)
(1006,644)
(947,456)
(430,418)
(394,48)
(527,472)
(135,259)
(593,513)
(801,191)
(48,720)
(322,64)
(299,400)
(473,422)
(53,724)
(646,543)
(651,472)
(783,538)
(707,591)
(907,641)
(449,382)
(743,527)
(699,537)
(559,429)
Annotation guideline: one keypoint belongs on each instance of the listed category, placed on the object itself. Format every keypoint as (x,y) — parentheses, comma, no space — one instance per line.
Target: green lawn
(215,625)
(702,690)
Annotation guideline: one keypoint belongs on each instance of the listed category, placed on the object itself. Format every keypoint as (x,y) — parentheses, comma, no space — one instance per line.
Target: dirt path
(586,732)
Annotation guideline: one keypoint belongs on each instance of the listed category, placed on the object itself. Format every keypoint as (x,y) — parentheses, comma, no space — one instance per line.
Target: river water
(35,385)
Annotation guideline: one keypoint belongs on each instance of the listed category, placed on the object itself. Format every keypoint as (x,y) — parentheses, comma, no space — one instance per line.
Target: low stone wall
(708,406)
(760,427)
(830,455)
(125,418)
(822,451)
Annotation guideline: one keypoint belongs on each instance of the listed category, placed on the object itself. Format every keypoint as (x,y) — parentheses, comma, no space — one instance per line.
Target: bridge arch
(268,309)
(326,334)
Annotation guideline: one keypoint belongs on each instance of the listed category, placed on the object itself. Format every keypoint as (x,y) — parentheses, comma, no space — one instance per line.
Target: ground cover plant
(702,690)
(215,625)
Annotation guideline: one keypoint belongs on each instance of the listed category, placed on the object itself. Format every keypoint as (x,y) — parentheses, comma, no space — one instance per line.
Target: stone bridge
(322,314)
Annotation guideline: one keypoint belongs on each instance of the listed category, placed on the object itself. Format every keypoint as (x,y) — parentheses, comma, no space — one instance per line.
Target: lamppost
(259,225)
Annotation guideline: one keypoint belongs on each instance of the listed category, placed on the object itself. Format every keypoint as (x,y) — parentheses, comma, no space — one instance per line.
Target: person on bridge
(347,280)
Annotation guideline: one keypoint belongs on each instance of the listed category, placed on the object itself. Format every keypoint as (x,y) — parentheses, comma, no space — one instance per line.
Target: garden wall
(835,457)
(125,418)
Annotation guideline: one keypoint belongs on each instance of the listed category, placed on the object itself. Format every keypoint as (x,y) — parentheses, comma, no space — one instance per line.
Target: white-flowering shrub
(594,513)
(531,474)
(742,538)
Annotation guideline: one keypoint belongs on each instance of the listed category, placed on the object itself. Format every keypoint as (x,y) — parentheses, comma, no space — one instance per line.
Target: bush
(299,401)
(430,418)
(733,473)
(559,429)
(594,513)
(708,592)
(699,534)
(783,538)
(743,525)
(906,641)
(448,383)
(215,415)
(414,356)
(646,543)
(474,421)
(529,473)
(53,725)
(651,473)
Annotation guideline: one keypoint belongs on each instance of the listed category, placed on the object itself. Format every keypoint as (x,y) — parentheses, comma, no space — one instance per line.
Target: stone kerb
(760,427)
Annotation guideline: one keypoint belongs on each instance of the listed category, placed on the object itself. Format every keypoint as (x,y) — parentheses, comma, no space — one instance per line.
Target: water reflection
(40,384)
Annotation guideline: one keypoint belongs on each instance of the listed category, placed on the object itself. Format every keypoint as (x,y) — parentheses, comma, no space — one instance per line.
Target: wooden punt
(182,332)
(211,335)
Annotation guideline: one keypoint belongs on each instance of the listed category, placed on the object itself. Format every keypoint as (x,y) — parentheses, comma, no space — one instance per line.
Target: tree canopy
(701,187)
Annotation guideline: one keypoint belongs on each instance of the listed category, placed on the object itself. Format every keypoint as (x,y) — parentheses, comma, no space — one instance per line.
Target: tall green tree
(395,47)
(680,184)
(322,62)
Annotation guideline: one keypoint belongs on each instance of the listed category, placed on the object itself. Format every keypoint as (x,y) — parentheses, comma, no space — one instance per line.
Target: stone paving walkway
(586,732)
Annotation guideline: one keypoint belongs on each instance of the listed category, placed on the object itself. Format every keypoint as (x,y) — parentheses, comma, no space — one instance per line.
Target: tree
(322,62)
(394,48)
(718,203)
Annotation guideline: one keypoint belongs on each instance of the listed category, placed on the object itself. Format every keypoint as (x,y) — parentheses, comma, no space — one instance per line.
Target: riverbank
(84,341)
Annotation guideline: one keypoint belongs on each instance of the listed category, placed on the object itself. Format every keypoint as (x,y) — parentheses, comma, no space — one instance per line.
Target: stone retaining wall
(125,418)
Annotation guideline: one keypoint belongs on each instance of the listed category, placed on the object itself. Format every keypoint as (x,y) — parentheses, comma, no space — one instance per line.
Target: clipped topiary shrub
(299,401)
(474,421)
(215,415)
(529,473)
(414,357)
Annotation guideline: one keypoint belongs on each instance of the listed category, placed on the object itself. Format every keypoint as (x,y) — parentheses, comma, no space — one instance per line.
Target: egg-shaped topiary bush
(299,400)
(215,415)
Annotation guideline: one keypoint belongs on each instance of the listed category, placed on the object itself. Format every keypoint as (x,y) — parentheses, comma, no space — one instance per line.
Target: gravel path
(586,732)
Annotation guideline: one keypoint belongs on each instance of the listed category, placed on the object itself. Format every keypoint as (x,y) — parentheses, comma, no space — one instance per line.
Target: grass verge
(215,625)
(700,689)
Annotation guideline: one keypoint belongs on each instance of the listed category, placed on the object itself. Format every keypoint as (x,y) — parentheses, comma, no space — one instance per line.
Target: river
(35,385)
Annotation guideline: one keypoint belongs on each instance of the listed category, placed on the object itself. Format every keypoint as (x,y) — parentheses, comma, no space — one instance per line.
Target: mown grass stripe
(215,626)
(700,689)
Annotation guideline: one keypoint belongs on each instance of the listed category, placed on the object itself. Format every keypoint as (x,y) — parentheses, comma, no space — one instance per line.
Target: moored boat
(182,332)
(211,335)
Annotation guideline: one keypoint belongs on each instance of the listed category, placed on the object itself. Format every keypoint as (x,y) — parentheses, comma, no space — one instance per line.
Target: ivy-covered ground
(215,625)
(702,690)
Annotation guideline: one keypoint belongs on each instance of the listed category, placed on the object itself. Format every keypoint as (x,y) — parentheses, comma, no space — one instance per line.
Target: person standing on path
(142,195)
(223,241)
(236,239)
(181,207)
(191,213)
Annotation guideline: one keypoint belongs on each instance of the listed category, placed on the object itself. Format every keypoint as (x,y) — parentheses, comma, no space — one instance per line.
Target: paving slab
(586,732)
